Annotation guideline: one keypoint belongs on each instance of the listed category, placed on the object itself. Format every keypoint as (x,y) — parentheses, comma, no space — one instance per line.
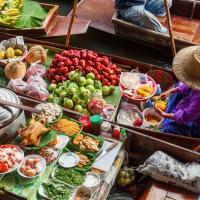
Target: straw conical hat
(186,66)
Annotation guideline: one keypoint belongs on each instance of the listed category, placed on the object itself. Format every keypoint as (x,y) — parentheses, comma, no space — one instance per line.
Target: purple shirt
(188,109)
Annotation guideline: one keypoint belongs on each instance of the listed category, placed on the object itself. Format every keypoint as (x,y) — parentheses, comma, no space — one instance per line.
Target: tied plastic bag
(163,167)
(36,69)
(18,85)
(37,92)
(37,80)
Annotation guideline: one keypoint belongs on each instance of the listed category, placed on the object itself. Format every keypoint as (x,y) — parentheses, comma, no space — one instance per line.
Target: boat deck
(101,12)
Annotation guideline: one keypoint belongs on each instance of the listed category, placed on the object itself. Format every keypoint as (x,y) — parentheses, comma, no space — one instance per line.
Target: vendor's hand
(161,112)
(164,95)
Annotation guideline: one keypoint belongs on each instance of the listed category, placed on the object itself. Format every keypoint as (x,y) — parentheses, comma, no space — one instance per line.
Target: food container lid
(96,119)
(68,160)
(92,180)
(8,113)
(105,126)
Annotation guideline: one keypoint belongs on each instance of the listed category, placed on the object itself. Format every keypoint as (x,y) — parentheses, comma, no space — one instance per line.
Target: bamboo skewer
(71,23)
(170,28)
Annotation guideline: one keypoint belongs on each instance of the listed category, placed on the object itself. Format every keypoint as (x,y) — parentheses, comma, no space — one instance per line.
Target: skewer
(71,23)
(170,28)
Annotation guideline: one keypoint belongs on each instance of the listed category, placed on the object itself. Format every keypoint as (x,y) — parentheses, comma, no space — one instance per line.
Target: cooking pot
(10,118)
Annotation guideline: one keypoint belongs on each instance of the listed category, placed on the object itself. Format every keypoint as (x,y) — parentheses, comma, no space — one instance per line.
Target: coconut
(15,70)
(36,54)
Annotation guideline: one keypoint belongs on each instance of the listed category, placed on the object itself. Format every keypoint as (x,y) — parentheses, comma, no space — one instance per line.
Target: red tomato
(79,68)
(61,64)
(75,61)
(118,70)
(63,78)
(65,53)
(71,53)
(89,62)
(54,61)
(105,57)
(68,62)
(57,78)
(97,76)
(53,81)
(3,167)
(52,71)
(66,75)
(82,63)
(83,53)
(63,69)
(105,61)
(71,68)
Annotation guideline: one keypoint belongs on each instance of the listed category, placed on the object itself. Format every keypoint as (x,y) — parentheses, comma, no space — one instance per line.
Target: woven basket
(163,78)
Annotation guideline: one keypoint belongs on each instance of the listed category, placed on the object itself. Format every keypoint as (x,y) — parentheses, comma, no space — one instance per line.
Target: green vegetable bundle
(71,177)
(57,191)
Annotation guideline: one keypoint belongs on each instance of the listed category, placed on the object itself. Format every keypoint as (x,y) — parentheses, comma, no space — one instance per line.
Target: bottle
(106,129)
(116,132)
(123,135)
(96,121)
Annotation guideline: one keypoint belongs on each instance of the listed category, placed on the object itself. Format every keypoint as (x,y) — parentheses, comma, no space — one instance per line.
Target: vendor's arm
(164,114)
(191,113)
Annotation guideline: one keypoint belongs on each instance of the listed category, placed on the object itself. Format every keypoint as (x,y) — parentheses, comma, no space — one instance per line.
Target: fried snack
(86,143)
(66,126)
(84,160)
(31,135)
(152,119)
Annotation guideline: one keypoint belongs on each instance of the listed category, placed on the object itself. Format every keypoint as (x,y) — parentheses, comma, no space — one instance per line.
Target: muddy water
(103,42)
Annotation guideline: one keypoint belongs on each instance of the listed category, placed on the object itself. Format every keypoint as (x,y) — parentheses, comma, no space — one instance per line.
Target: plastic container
(96,121)
(152,112)
(106,129)
(86,123)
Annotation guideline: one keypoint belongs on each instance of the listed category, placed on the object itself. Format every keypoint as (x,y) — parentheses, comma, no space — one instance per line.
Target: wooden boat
(139,146)
(187,142)
(53,25)
(185,21)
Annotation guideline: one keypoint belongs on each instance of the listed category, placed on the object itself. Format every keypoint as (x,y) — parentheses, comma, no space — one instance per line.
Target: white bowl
(42,165)
(68,160)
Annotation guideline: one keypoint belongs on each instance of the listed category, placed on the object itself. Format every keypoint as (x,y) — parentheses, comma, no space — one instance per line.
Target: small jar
(96,121)
(106,129)
(116,132)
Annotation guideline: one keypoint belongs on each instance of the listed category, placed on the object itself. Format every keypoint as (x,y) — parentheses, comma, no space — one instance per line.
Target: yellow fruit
(2,55)
(10,53)
(161,105)
(19,52)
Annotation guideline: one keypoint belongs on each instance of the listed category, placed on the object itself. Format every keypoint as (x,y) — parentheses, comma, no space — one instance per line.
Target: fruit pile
(10,12)
(76,92)
(86,62)
(11,53)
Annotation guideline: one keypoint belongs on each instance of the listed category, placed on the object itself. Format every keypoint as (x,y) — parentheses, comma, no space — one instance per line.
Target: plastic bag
(37,92)
(163,167)
(36,69)
(37,80)
(18,85)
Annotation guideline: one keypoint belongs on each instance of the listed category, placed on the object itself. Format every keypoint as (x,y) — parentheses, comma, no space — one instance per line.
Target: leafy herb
(57,191)
(32,15)
(69,176)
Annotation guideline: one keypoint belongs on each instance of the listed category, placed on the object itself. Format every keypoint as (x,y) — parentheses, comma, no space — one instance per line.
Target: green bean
(70,176)
(57,191)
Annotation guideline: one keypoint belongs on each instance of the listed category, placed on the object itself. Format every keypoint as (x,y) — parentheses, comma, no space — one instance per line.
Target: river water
(104,42)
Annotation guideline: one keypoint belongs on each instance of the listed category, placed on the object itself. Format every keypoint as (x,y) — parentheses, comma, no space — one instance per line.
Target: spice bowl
(68,160)
(92,181)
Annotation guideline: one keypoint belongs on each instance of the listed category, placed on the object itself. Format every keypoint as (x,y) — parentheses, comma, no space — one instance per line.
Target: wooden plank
(80,26)
(99,11)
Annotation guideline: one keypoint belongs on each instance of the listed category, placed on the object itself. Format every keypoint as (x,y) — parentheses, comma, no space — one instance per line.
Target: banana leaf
(114,99)
(74,147)
(87,167)
(32,15)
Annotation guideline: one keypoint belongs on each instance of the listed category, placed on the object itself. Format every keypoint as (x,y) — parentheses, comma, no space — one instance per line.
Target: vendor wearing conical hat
(183,112)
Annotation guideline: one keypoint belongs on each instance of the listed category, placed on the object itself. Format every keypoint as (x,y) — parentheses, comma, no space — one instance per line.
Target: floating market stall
(57,153)
(77,91)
